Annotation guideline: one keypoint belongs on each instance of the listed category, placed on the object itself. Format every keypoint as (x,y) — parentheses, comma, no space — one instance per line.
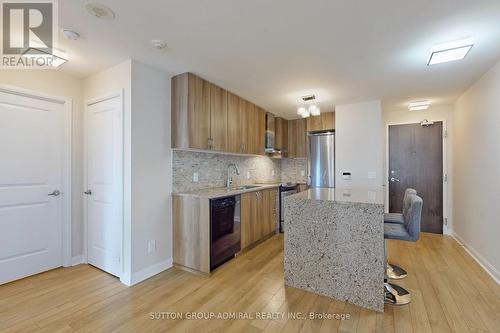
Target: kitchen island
(334,244)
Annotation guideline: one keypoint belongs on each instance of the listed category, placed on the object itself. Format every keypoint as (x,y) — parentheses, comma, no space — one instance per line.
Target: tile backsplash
(212,170)
(294,170)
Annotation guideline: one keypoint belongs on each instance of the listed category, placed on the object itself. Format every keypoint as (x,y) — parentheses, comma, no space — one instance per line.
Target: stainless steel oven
(285,190)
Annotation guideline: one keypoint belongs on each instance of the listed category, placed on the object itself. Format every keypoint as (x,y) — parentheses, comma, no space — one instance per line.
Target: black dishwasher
(224,230)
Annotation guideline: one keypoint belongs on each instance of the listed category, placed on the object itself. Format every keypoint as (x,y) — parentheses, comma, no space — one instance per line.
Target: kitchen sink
(245,187)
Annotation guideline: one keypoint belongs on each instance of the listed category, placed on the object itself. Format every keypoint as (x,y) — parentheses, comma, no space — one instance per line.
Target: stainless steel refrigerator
(321,159)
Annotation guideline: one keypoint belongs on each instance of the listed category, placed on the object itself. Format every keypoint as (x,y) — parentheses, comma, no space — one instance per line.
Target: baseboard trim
(485,264)
(147,272)
(77,260)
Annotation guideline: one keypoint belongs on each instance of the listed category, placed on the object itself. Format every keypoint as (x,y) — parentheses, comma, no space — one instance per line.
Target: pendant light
(308,108)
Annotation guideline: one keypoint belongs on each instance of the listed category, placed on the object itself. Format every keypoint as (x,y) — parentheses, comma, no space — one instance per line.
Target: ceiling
(273,52)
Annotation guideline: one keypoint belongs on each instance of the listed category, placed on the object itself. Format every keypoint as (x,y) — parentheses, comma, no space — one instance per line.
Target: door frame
(447,227)
(66,185)
(120,94)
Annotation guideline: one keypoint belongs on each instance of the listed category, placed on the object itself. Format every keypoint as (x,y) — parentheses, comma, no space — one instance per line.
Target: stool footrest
(395,272)
(396,295)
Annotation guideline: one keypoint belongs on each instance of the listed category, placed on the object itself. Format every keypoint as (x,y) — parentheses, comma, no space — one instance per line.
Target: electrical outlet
(248,174)
(195,177)
(151,246)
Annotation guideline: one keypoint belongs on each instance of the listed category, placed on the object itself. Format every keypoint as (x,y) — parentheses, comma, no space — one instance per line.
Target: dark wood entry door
(416,161)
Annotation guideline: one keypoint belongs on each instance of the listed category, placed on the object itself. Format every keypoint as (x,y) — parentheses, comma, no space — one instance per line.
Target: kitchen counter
(221,192)
(334,244)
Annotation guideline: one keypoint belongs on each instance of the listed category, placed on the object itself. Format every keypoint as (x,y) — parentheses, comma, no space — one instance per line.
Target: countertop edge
(226,194)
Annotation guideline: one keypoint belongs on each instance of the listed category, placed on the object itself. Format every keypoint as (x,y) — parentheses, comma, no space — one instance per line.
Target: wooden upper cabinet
(236,124)
(323,122)
(297,138)
(253,118)
(218,118)
(205,116)
(261,130)
(281,135)
(256,129)
(190,112)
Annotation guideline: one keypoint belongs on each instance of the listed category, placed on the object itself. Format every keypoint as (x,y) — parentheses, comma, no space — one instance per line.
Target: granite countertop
(220,192)
(369,196)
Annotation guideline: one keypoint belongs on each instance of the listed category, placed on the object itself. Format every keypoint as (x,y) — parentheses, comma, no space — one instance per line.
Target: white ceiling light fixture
(71,34)
(452,51)
(308,108)
(419,106)
(158,44)
(301,110)
(100,11)
(305,114)
(314,110)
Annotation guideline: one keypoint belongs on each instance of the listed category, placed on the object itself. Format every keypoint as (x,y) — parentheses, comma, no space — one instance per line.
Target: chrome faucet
(229,180)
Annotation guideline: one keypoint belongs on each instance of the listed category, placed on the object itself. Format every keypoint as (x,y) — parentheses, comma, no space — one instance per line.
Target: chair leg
(394,294)
(392,271)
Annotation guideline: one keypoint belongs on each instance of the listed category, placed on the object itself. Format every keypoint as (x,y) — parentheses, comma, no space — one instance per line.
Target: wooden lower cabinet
(258,215)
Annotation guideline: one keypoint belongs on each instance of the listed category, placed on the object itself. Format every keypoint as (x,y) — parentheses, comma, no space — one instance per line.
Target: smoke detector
(100,11)
(159,44)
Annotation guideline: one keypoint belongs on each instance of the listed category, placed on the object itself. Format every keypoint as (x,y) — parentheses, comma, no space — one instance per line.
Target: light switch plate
(196,177)
(302,173)
(248,174)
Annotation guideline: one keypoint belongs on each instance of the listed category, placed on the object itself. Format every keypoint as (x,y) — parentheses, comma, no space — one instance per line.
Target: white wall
(54,82)
(434,113)
(476,170)
(151,170)
(358,146)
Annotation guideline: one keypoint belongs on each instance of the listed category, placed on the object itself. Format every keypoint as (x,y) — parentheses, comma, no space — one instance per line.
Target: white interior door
(31,168)
(105,185)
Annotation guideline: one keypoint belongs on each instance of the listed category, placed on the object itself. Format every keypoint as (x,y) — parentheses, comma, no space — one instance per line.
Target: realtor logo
(29,32)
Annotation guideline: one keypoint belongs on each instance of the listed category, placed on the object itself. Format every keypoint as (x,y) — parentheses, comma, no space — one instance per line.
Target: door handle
(394,179)
(88,192)
(55,193)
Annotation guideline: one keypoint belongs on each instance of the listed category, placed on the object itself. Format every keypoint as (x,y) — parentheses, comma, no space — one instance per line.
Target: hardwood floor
(450,293)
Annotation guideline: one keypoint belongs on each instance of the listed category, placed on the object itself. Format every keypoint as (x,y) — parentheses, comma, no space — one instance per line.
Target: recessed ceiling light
(100,11)
(418,106)
(71,34)
(451,51)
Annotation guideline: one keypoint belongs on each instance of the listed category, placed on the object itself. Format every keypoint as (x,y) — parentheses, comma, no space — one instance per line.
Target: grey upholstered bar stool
(408,231)
(393,271)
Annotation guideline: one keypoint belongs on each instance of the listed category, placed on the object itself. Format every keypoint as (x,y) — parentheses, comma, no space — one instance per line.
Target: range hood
(270,134)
